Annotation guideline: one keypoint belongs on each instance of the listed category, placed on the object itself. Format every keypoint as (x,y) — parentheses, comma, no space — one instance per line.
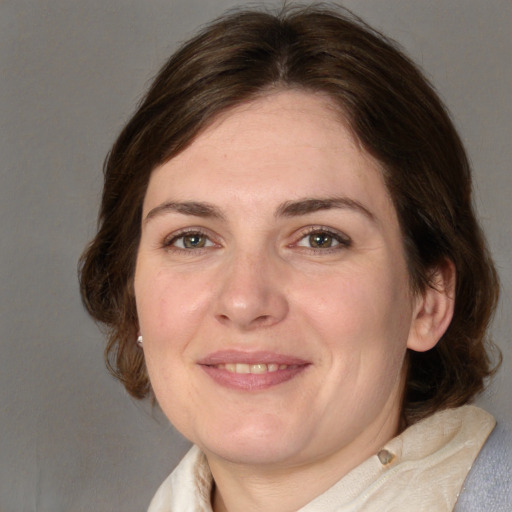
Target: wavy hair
(394,113)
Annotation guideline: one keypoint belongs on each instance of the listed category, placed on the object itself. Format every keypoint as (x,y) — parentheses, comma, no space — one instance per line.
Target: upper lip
(246,357)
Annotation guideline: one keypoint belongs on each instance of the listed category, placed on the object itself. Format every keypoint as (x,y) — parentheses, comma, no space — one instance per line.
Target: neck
(289,486)
(257,491)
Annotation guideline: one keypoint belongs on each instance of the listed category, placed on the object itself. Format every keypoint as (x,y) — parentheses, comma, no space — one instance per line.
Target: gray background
(71,73)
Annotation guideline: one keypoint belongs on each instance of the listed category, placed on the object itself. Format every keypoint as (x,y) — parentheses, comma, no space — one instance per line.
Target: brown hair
(396,116)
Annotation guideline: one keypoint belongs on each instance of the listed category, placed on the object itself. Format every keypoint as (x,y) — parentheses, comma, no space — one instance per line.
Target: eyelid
(344,241)
(171,238)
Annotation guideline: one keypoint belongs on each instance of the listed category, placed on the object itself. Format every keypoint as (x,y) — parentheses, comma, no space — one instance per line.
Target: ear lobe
(433,309)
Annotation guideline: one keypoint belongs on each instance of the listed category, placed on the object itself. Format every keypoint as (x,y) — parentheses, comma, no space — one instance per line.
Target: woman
(289,262)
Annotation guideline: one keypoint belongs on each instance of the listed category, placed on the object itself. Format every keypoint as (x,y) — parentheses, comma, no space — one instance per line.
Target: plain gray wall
(71,73)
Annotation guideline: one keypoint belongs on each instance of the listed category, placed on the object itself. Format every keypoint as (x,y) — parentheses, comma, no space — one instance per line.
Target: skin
(253,282)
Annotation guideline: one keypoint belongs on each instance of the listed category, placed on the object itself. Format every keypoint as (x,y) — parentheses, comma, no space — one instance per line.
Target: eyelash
(169,242)
(342,241)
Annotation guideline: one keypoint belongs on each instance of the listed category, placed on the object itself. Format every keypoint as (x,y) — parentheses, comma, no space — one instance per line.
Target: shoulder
(488,485)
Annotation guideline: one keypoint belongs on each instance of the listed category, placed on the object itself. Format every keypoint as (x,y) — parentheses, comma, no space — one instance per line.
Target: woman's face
(272,289)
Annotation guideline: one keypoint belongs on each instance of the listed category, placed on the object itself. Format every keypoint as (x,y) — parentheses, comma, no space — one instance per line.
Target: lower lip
(252,381)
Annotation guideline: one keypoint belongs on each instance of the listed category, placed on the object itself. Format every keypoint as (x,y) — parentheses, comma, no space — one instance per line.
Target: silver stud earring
(139,340)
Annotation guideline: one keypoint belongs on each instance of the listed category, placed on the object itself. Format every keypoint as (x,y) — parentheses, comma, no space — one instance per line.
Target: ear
(433,309)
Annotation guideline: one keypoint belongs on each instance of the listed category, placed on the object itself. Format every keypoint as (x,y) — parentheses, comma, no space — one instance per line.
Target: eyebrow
(311,205)
(197,209)
(294,208)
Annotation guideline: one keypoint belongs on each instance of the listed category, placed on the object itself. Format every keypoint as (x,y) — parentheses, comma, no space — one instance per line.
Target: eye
(189,240)
(319,239)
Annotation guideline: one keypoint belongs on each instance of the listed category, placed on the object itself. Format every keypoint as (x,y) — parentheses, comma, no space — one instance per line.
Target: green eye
(322,240)
(191,240)
(194,241)
(319,239)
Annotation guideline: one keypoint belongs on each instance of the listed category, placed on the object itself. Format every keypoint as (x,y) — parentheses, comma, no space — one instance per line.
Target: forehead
(280,119)
(287,144)
(310,108)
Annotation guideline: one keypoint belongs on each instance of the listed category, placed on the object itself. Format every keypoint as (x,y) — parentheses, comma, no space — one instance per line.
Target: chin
(255,444)
(254,455)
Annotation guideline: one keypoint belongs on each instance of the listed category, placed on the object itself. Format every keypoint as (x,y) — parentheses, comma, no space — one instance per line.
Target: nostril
(262,321)
(259,321)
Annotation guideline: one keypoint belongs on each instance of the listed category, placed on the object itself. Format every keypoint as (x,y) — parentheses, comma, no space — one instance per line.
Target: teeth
(253,368)
(258,368)
(242,368)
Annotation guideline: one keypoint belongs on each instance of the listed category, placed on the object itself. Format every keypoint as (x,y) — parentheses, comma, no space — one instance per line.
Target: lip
(238,356)
(251,381)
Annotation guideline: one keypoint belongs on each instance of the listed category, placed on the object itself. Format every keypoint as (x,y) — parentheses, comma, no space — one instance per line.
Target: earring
(139,340)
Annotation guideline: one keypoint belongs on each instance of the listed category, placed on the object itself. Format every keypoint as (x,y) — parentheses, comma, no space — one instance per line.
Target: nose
(251,294)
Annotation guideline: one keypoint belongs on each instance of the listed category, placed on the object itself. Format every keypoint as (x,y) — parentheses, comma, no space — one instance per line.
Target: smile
(257,368)
(251,371)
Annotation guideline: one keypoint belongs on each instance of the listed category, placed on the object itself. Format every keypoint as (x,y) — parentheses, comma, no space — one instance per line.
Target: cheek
(357,300)
(170,312)
(362,319)
(169,304)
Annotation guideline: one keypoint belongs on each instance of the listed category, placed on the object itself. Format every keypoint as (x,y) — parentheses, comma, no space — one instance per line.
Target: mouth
(251,371)
(257,368)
